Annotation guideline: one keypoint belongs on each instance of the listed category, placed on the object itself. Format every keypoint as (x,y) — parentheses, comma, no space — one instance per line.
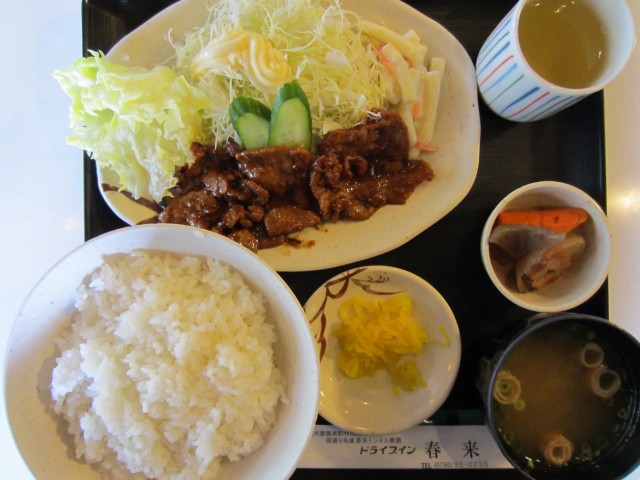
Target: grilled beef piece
(342,195)
(241,216)
(233,215)
(276,169)
(229,191)
(258,197)
(248,192)
(364,168)
(208,159)
(197,208)
(218,182)
(245,238)
(289,219)
(383,137)
(282,172)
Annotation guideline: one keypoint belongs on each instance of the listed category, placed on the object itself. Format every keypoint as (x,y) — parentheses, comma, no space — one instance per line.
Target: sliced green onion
(504,387)
(623,413)
(602,443)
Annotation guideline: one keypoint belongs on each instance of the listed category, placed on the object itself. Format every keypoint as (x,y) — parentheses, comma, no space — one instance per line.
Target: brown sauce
(261,197)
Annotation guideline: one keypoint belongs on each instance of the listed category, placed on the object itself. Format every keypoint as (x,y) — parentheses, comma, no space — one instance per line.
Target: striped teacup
(512,88)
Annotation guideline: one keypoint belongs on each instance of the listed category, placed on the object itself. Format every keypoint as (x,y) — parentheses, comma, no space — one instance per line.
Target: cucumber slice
(250,119)
(291,118)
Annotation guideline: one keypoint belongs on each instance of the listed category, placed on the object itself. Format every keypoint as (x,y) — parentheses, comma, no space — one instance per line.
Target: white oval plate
(41,435)
(457,137)
(368,405)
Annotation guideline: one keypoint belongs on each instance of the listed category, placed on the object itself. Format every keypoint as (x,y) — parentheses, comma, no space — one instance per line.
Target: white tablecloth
(42,214)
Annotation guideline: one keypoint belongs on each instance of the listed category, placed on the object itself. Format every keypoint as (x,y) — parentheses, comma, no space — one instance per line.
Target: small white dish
(582,280)
(457,137)
(368,405)
(41,435)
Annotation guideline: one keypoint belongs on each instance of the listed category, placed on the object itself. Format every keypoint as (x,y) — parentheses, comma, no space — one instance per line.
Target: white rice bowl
(211,374)
(167,368)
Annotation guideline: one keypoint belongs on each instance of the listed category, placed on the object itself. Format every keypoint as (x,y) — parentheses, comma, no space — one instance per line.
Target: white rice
(167,369)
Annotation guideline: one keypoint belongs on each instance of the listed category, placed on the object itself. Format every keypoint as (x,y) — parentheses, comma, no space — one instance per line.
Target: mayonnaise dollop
(239,50)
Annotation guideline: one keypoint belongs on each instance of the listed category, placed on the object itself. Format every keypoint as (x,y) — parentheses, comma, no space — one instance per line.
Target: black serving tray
(567,147)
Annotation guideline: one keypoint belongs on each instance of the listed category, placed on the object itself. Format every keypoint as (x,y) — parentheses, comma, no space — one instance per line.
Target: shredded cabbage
(137,122)
(335,63)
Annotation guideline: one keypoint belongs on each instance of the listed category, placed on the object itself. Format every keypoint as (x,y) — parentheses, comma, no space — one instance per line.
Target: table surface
(46,220)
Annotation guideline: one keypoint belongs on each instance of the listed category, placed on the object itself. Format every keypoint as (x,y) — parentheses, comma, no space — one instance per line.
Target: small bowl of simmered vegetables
(546,246)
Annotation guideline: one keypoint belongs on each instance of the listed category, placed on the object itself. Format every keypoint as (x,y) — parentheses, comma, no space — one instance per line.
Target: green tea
(563,41)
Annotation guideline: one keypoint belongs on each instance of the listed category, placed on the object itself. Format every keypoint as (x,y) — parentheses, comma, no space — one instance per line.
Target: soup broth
(549,394)
(563,41)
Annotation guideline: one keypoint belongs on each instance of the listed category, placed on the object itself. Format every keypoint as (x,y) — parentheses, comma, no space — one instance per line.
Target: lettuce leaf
(135,121)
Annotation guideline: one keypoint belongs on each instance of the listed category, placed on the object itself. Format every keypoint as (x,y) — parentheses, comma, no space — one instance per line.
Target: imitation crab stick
(557,219)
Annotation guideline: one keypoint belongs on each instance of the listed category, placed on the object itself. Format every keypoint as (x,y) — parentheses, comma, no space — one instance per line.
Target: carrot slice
(557,219)
(425,147)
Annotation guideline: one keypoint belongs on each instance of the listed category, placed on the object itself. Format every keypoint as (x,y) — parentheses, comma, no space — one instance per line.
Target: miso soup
(561,397)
